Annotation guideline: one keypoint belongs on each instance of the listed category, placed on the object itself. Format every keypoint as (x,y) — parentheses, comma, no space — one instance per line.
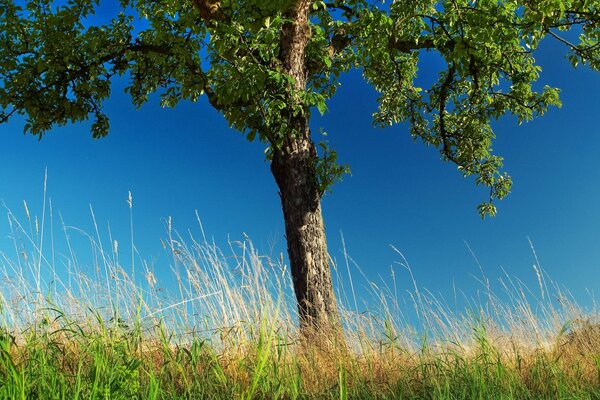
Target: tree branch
(4,117)
(210,10)
(444,91)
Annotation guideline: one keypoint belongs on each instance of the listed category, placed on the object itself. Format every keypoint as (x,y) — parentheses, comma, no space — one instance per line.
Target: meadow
(101,326)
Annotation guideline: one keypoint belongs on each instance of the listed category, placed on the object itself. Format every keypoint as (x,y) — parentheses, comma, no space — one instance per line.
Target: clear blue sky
(175,161)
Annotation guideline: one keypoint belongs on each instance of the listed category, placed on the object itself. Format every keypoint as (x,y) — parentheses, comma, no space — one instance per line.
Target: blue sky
(176,161)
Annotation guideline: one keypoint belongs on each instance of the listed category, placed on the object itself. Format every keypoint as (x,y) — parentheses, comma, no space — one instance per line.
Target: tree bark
(295,174)
(294,169)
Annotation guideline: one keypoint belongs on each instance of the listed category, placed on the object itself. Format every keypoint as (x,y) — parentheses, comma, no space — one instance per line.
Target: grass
(86,329)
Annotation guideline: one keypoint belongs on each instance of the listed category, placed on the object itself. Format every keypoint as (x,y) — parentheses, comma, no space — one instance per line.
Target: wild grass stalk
(75,326)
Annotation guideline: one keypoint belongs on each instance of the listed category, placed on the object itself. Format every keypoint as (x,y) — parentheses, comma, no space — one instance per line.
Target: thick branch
(210,10)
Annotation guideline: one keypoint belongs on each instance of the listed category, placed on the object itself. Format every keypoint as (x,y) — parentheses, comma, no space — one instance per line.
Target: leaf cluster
(486,52)
(57,63)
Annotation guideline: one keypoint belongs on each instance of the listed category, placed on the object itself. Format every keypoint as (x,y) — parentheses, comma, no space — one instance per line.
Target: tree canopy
(56,67)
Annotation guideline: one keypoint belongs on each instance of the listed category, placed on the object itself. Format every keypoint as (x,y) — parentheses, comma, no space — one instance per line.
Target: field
(228,330)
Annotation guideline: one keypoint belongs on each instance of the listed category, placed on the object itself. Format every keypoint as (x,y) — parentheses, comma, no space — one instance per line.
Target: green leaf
(321,106)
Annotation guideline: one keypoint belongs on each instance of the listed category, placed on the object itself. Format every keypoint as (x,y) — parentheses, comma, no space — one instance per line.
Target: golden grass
(229,329)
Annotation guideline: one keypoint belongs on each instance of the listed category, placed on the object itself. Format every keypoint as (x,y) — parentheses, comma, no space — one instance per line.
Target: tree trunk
(294,169)
(295,174)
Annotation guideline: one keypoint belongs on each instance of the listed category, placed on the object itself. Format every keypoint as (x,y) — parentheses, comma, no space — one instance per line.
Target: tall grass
(87,326)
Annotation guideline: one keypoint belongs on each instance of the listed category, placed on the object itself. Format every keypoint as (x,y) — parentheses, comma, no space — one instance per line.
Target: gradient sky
(176,161)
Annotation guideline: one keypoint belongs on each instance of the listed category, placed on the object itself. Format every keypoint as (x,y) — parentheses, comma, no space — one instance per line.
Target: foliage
(328,169)
(57,62)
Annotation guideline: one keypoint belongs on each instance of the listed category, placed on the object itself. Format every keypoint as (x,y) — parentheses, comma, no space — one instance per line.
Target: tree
(267,65)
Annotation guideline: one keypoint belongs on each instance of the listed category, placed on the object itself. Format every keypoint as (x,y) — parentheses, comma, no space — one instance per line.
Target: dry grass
(77,327)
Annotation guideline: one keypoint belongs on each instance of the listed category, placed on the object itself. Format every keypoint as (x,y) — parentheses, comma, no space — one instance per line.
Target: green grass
(87,329)
(64,360)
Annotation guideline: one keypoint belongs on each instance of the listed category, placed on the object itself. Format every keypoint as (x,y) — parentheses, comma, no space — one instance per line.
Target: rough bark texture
(209,9)
(294,170)
(307,247)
